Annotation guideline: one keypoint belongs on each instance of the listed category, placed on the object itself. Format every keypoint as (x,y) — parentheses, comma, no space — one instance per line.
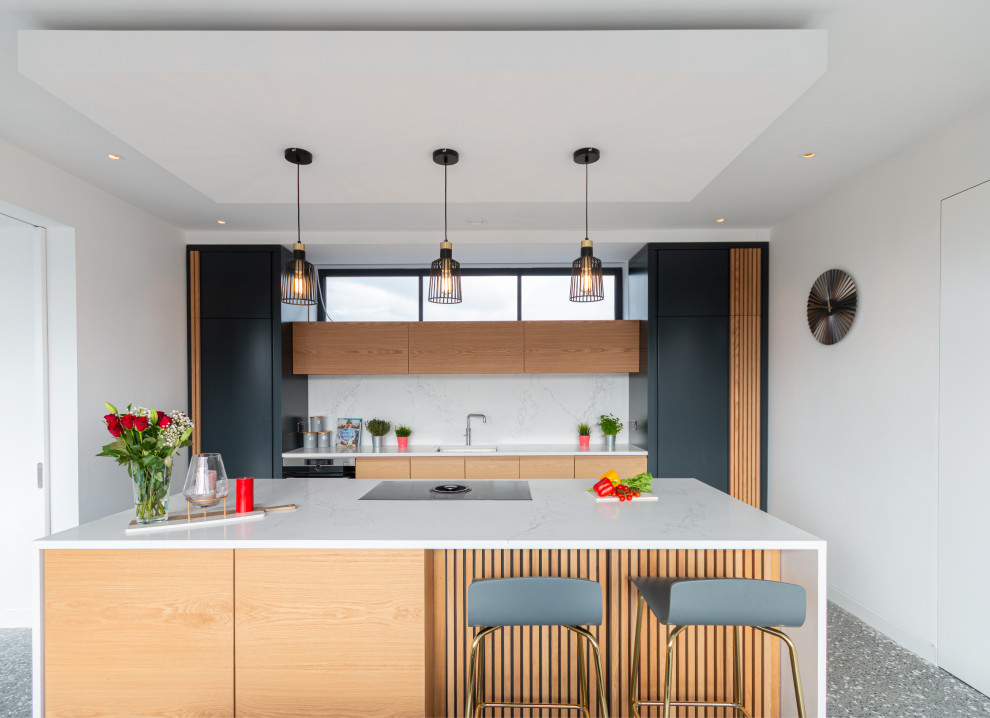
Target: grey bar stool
(534,601)
(736,602)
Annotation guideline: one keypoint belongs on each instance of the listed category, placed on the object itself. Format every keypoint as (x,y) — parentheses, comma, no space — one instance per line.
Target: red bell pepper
(604,488)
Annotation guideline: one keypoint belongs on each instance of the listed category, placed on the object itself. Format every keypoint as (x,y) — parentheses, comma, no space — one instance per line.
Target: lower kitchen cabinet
(125,630)
(323,637)
(491,467)
(592,467)
(429,467)
(381,468)
(546,467)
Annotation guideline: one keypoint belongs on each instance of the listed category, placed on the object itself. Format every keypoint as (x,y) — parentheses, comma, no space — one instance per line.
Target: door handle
(41,476)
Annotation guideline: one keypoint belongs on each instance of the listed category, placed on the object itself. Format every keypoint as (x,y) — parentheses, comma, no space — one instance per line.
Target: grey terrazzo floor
(869,676)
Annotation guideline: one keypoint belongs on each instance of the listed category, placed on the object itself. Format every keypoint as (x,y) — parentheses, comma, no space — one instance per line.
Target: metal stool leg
(634,678)
(795,671)
(473,706)
(602,701)
(669,669)
(584,682)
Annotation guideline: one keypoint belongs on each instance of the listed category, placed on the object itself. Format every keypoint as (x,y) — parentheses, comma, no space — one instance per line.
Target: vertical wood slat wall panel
(524,664)
(195,353)
(744,374)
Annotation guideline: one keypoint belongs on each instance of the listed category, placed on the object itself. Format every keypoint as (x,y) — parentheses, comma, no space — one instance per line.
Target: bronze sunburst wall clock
(831,306)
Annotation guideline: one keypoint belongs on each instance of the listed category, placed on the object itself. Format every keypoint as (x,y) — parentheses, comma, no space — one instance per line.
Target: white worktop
(431,450)
(562,514)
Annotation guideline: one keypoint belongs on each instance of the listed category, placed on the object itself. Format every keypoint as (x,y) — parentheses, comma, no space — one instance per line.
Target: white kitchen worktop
(431,450)
(562,514)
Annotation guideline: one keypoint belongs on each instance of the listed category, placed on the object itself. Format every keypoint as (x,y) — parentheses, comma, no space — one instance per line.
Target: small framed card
(349,433)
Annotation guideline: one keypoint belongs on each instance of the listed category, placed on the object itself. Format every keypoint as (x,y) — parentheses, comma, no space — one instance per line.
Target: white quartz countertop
(562,514)
(431,450)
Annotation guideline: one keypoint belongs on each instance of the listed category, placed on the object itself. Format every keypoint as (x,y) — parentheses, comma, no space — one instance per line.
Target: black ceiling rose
(587,156)
(445,156)
(298,156)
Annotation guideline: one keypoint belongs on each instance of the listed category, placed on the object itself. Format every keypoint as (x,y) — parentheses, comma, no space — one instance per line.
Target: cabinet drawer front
(546,467)
(583,346)
(350,348)
(491,467)
(592,467)
(436,468)
(373,468)
(466,348)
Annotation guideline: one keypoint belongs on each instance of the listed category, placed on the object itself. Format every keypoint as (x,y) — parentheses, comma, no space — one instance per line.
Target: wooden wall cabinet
(350,348)
(582,346)
(465,348)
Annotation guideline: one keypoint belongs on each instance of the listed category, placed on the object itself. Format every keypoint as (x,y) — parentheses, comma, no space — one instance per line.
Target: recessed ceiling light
(477,220)
(114,157)
(809,155)
(221,221)
(720,220)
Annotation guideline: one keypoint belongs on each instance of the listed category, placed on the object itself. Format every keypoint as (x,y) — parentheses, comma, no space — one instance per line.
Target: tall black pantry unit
(701,404)
(246,402)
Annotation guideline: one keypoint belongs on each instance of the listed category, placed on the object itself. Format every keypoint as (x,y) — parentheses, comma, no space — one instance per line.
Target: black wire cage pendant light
(298,276)
(445,273)
(586,270)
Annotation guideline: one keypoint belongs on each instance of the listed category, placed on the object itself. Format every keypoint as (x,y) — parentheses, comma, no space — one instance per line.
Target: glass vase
(151,485)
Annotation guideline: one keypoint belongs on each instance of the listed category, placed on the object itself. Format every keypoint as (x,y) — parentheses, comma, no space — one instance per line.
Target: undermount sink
(467,449)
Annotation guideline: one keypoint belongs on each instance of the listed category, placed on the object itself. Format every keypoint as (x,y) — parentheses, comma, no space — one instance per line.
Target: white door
(23,415)
(964,439)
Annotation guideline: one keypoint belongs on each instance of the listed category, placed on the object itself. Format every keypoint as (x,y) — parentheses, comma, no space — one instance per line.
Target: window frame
(518,272)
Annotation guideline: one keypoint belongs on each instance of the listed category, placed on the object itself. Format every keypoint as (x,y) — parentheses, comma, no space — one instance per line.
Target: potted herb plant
(584,435)
(378,428)
(402,433)
(610,426)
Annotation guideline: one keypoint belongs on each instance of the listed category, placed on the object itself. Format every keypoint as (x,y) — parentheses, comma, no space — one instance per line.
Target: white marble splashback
(521,408)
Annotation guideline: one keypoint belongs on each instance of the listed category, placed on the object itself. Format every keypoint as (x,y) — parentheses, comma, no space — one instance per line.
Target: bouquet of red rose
(144,441)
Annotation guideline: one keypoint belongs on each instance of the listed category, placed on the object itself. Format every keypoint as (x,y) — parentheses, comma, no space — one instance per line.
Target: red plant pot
(584,441)
(403,441)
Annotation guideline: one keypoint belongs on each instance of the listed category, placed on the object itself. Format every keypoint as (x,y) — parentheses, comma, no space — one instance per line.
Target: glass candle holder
(206,481)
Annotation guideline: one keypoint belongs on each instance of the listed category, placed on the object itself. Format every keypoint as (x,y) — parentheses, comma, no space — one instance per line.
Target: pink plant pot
(584,441)
(403,441)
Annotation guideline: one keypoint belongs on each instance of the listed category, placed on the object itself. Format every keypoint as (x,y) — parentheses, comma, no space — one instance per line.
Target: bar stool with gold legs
(736,602)
(534,601)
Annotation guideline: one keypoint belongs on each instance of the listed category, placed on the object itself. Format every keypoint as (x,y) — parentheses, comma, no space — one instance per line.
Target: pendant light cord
(586,201)
(445,200)
(298,211)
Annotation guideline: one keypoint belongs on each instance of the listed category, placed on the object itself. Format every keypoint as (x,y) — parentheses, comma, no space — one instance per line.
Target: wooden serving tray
(615,499)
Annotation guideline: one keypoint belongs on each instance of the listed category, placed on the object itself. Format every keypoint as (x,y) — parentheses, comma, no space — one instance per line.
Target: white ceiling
(897,70)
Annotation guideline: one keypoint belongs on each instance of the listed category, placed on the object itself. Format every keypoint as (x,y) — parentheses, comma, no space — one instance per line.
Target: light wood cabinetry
(127,631)
(330,633)
(546,467)
(428,467)
(465,348)
(350,348)
(491,467)
(582,346)
(592,467)
(381,468)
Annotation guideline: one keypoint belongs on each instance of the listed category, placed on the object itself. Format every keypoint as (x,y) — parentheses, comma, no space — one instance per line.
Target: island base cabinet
(330,633)
(138,633)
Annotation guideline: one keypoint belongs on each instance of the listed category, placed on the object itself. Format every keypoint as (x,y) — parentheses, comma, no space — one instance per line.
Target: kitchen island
(349,607)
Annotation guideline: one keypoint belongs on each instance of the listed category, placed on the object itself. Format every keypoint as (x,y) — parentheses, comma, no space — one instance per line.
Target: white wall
(854,427)
(521,408)
(130,310)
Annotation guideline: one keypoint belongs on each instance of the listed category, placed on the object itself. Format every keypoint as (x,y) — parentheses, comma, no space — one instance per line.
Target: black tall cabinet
(690,402)
(240,349)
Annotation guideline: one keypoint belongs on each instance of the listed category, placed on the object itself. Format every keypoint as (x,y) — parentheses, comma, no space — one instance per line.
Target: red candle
(245,494)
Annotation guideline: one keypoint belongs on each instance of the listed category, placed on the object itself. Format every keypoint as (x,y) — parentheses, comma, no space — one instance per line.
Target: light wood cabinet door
(329,633)
(546,467)
(381,468)
(139,632)
(583,346)
(428,467)
(592,467)
(350,348)
(491,467)
(465,348)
